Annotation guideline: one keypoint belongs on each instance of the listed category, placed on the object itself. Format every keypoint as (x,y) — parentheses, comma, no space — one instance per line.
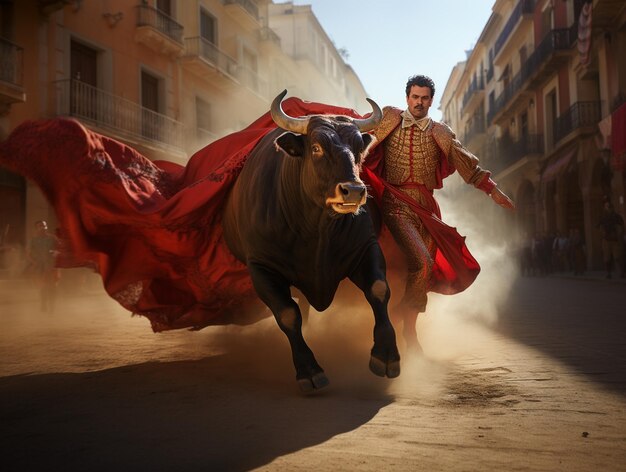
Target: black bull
(296,217)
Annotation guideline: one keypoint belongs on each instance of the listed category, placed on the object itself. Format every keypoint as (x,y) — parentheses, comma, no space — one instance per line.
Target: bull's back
(254,192)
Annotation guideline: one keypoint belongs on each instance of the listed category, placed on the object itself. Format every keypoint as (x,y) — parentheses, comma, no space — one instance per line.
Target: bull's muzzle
(348,198)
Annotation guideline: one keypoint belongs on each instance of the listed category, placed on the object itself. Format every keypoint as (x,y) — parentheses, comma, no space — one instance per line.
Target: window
(164,6)
(84,75)
(547,21)
(203,115)
(84,63)
(151,120)
(208,27)
(550,114)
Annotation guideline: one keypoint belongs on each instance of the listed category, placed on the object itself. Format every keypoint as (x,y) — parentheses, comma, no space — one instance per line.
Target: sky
(390,40)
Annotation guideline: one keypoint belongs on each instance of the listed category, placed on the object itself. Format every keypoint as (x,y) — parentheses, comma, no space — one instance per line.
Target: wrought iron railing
(523,7)
(249,5)
(474,128)
(578,115)
(508,152)
(268,34)
(200,47)
(125,118)
(476,85)
(555,40)
(11,62)
(150,16)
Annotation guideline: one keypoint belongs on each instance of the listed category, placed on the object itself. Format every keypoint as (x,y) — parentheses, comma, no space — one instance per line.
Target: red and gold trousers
(416,244)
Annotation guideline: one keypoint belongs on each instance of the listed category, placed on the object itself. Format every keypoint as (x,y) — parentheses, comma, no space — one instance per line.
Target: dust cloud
(453,327)
(89,331)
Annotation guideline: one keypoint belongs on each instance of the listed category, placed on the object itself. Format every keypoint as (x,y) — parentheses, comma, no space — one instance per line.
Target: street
(538,384)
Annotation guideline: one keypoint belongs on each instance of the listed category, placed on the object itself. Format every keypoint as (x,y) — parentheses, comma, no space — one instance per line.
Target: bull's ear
(291,143)
(367,139)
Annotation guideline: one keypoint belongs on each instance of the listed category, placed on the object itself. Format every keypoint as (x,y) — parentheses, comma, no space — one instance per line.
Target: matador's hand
(501,199)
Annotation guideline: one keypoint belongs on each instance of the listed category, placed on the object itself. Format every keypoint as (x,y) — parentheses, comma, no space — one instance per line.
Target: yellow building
(166,77)
(537,99)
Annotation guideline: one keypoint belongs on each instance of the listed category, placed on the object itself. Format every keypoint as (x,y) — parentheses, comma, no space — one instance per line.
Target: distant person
(577,252)
(413,155)
(42,252)
(612,227)
(560,250)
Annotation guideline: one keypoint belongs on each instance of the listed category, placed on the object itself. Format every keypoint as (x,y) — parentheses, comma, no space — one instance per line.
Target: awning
(557,167)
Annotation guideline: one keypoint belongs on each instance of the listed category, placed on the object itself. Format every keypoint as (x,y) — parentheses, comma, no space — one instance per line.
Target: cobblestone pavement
(539,386)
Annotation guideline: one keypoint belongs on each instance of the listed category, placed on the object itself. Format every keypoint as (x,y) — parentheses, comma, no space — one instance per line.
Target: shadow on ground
(233,411)
(581,323)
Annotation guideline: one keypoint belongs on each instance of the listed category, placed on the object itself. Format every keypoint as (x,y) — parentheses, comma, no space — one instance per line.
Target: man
(612,226)
(42,252)
(413,156)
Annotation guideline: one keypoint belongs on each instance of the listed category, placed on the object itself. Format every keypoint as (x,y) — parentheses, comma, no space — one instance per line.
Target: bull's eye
(316,149)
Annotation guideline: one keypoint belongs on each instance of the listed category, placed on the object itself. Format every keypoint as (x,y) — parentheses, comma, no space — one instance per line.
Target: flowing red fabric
(454,267)
(153,229)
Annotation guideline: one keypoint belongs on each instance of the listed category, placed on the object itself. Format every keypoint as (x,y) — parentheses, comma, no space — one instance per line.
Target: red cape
(153,229)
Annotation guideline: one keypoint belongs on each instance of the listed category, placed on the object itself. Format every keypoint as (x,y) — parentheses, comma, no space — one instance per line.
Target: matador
(413,156)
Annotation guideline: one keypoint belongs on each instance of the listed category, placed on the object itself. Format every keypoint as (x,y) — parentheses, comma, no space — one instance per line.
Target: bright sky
(390,40)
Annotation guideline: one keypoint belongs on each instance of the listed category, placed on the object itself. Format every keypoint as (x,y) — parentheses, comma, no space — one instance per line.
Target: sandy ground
(538,385)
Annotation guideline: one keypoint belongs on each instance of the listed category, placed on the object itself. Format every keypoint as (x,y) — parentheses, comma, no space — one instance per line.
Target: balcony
(268,38)
(115,115)
(474,94)
(158,31)
(583,116)
(553,51)
(509,152)
(250,79)
(523,10)
(244,12)
(475,128)
(208,61)
(11,75)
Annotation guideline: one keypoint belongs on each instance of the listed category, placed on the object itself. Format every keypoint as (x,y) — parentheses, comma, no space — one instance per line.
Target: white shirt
(409,120)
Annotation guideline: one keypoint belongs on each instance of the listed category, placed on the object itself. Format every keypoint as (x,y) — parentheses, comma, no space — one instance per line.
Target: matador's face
(419,101)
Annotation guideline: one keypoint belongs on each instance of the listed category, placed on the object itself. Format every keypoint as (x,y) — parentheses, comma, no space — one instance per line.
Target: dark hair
(420,81)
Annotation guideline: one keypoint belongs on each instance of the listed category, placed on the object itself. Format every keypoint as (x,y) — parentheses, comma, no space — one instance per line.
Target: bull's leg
(370,277)
(274,291)
(303,303)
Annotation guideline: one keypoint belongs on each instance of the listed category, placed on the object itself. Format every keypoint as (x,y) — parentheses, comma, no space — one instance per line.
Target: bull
(297,217)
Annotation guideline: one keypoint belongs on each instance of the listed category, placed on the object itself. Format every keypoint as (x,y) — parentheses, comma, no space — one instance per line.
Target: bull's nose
(351,191)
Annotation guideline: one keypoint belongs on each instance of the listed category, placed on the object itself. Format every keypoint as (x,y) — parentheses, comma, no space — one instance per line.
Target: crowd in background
(544,253)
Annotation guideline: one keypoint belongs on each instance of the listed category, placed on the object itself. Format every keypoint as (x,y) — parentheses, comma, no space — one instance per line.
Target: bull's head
(332,147)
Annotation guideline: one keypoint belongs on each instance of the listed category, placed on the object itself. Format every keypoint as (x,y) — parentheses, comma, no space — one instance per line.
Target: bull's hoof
(383,369)
(313,384)
(393,369)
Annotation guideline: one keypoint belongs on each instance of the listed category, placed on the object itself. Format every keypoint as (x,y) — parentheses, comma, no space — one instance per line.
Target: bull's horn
(297,125)
(368,124)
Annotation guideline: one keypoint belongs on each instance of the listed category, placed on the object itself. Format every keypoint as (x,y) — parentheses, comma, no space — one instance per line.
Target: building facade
(166,77)
(541,102)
